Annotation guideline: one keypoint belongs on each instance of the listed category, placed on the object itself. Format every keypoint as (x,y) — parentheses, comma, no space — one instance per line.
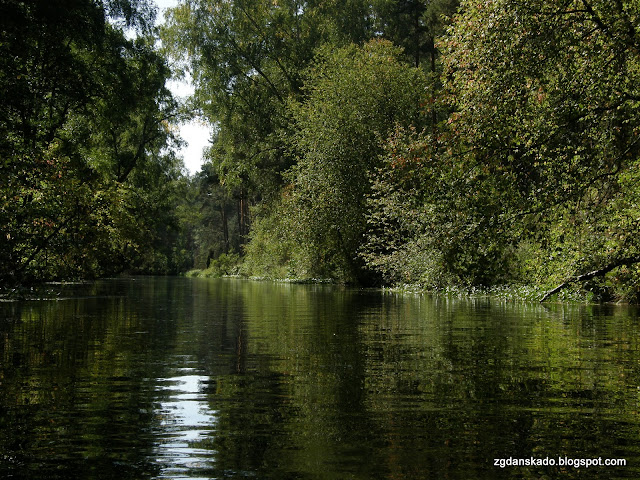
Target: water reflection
(185,420)
(196,378)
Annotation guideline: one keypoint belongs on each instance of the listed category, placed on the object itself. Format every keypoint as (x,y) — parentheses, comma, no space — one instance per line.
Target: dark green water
(195,378)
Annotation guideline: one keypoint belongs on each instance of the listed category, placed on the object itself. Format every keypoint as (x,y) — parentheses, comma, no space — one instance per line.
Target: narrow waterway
(149,378)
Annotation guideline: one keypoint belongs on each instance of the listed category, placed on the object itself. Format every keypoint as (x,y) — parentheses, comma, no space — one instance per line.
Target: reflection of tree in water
(75,394)
(417,387)
(184,377)
(476,379)
(303,375)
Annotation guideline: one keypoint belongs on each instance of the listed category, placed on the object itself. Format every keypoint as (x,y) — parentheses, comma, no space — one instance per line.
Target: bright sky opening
(196,133)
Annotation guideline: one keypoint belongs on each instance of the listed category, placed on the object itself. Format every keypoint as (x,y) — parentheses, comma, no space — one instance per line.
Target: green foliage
(352,140)
(249,60)
(224,264)
(546,97)
(215,225)
(87,188)
(415,25)
(400,242)
(354,96)
(245,58)
(248,57)
(529,180)
(427,223)
(272,251)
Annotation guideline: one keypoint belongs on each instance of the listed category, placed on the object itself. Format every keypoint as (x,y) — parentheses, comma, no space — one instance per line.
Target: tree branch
(258,70)
(258,29)
(595,273)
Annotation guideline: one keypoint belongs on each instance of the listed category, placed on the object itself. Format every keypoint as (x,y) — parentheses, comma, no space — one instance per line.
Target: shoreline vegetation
(573,293)
(511,293)
(454,145)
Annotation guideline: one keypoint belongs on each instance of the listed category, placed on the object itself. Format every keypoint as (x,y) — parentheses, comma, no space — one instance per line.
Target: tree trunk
(243,218)
(225,227)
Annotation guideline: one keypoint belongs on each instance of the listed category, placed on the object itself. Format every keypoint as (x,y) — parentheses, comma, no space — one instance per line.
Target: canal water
(149,378)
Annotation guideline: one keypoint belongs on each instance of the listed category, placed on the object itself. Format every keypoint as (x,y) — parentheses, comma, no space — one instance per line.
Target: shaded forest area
(387,142)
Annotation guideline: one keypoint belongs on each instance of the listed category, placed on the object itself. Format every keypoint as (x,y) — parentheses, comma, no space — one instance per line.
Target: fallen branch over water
(595,273)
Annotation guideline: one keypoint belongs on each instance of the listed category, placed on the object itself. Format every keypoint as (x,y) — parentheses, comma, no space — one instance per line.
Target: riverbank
(512,292)
(527,293)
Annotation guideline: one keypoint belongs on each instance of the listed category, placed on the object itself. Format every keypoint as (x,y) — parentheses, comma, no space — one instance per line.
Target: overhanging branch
(595,273)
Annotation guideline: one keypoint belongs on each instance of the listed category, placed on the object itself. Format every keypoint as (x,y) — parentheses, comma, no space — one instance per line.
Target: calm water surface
(176,378)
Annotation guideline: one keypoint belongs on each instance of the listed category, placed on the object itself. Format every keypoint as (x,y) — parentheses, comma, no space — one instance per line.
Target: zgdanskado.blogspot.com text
(559,462)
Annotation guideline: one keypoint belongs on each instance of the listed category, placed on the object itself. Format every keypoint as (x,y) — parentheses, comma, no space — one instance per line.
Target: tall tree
(546,95)
(539,158)
(246,58)
(415,25)
(76,91)
(355,97)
